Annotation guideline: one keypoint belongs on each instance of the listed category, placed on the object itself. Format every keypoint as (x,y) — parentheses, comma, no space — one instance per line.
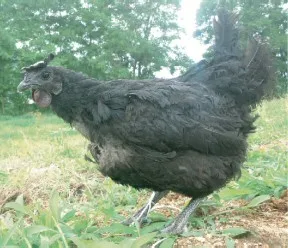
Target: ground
(267,225)
(40,154)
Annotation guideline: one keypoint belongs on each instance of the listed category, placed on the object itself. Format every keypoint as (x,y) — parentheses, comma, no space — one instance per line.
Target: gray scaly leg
(179,223)
(142,213)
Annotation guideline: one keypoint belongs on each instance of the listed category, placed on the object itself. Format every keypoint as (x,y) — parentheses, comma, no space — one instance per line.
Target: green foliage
(59,226)
(267,18)
(104,39)
(55,228)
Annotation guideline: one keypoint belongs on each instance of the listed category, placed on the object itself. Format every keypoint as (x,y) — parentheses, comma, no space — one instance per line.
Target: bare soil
(267,225)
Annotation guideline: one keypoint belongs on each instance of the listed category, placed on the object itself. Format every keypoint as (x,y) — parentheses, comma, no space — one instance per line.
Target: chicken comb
(39,64)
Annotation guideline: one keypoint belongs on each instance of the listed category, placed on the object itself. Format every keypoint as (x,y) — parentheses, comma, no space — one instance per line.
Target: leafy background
(109,39)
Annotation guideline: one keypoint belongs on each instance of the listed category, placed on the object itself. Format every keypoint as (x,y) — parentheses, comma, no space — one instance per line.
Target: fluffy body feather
(164,136)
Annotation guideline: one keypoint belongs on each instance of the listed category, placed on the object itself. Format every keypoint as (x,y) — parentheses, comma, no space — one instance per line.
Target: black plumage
(187,134)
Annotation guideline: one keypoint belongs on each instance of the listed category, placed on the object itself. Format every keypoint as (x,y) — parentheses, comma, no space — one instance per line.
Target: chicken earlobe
(41,98)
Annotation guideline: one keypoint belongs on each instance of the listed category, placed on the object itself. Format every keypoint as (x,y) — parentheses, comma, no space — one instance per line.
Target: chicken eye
(45,75)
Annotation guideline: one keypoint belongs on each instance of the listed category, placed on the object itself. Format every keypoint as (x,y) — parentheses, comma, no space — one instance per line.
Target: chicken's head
(43,81)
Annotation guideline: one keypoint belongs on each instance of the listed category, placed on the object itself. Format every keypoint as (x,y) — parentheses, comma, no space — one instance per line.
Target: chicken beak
(23,86)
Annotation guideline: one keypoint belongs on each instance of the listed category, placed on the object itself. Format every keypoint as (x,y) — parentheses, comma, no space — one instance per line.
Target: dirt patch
(266,230)
(33,184)
(267,224)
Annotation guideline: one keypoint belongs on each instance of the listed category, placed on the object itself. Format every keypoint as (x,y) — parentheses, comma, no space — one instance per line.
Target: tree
(8,67)
(105,39)
(265,17)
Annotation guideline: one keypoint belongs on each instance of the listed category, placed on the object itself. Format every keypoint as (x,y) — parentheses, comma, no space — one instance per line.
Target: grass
(51,197)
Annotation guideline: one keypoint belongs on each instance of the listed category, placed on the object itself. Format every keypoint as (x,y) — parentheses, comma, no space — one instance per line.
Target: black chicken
(187,134)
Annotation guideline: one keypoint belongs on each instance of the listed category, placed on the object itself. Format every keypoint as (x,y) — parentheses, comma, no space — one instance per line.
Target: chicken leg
(142,213)
(178,225)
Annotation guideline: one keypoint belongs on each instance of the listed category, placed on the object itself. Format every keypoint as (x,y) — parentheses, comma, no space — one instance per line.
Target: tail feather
(247,76)
(255,78)
(259,78)
(226,35)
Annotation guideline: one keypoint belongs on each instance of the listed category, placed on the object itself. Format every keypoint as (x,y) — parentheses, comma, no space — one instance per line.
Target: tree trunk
(139,70)
(134,70)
